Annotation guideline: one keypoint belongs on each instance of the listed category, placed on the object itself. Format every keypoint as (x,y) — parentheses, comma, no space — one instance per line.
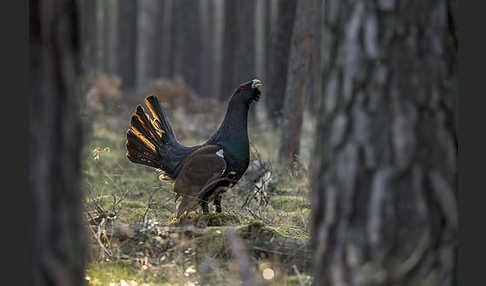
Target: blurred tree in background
(298,81)
(127,43)
(278,58)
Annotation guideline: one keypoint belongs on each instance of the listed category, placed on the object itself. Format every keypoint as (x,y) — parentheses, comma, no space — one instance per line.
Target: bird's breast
(237,157)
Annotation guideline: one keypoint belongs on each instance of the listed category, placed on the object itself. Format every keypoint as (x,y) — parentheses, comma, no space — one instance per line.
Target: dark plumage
(201,172)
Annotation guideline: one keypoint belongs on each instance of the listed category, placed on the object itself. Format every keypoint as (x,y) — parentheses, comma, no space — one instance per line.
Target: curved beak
(256,83)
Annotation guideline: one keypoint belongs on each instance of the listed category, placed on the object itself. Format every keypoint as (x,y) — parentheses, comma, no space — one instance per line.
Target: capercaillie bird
(203,172)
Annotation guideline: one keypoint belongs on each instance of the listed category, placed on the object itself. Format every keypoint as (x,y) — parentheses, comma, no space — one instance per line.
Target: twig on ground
(301,283)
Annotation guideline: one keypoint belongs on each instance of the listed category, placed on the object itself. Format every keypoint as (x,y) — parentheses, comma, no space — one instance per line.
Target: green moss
(102,273)
(217,219)
(293,280)
(288,202)
(289,232)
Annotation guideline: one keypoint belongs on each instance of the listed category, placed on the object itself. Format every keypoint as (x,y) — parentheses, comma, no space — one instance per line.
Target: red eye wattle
(243,86)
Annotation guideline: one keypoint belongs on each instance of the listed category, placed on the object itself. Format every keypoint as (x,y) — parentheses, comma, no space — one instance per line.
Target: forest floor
(261,236)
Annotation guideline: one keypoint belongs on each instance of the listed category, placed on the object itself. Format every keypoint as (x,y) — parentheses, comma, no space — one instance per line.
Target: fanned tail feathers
(145,137)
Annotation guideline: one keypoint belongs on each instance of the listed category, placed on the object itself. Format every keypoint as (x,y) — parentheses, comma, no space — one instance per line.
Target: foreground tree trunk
(299,68)
(384,187)
(55,143)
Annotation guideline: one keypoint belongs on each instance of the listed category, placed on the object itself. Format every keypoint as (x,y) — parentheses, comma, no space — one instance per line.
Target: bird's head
(248,91)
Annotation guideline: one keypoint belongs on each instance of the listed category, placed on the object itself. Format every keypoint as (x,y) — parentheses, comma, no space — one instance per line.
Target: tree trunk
(279,58)
(218,30)
(88,34)
(109,26)
(267,39)
(229,48)
(55,143)
(127,43)
(207,48)
(384,184)
(315,75)
(100,36)
(299,68)
(147,55)
(165,36)
(186,49)
(239,45)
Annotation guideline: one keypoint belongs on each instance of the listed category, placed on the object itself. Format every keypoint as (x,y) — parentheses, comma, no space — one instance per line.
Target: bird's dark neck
(233,131)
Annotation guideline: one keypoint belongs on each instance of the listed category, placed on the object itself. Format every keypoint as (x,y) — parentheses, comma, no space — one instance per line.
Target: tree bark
(147,55)
(267,39)
(127,43)
(279,59)
(384,185)
(298,70)
(186,40)
(207,48)
(315,75)
(88,34)
(110,11)
(229,48)
(239,45)
(165,36)
(55,143)
(218,30)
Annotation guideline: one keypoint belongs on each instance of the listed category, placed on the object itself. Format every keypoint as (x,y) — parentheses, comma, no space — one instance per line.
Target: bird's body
(201,172)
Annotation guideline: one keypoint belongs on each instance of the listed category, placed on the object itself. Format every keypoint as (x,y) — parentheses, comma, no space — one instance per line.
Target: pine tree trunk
(207,48)
(278,60)
(239,45)
(158,39)
(187,41)
(127,43)
(147,59)
(315,75)
(88,35)
(165,38)
(384,184)
(218,30)
(299,68)
(229,48)
(175,38)
(267,39)
(110,11)
(55,143)
(100,36)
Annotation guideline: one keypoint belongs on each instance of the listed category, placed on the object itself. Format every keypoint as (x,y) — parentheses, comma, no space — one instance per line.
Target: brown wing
(202,168)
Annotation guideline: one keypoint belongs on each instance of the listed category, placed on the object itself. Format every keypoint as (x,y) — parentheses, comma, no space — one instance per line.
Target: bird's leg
(204,206)
(217,203)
